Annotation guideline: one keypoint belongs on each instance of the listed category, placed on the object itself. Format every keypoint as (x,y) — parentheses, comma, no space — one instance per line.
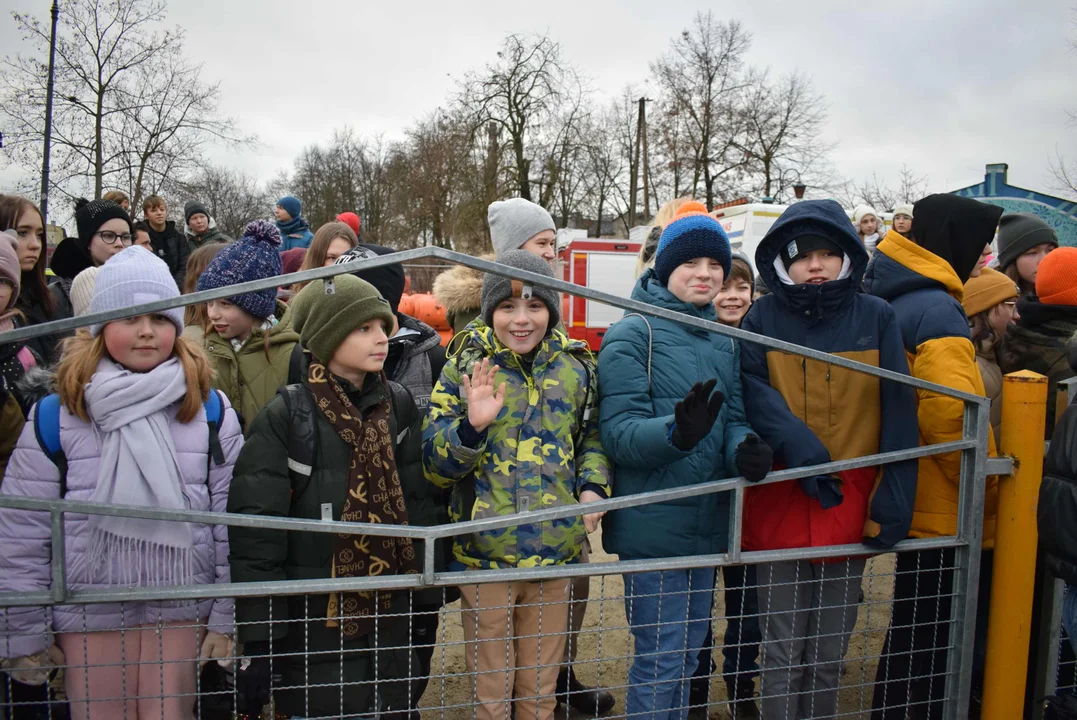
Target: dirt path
(605,648)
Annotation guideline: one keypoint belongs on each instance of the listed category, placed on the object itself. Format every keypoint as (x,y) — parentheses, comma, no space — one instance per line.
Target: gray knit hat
(132,277)
(1020,232)
(496,288)
(514,222)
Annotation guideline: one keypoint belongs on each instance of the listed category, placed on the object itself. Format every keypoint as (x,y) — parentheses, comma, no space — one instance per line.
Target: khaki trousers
(514,643)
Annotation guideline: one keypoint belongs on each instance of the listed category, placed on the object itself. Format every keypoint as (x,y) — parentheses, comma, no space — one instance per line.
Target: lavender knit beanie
(255,256)
(132,277)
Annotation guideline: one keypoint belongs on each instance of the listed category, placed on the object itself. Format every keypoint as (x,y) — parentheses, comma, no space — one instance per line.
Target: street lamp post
(48,115)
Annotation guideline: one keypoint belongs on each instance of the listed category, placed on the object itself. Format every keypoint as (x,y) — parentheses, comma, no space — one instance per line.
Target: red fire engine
(605,265)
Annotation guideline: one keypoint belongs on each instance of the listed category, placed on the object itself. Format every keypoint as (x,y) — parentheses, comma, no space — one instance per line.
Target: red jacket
(780,515)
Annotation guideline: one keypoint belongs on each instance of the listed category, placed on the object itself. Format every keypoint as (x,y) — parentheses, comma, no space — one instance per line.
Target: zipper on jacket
(804,373)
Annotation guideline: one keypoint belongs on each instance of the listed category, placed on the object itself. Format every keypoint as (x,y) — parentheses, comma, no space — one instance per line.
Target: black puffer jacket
(1038,342)
(171,246)
(1057,512)
(261,485)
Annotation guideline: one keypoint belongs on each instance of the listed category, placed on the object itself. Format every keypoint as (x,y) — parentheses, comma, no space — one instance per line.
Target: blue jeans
(1069,614)
(669,614)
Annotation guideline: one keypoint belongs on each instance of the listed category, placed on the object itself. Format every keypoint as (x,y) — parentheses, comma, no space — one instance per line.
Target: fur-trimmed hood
(459,289)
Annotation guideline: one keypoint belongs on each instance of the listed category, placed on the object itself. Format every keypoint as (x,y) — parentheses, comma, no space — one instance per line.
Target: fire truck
(600,264)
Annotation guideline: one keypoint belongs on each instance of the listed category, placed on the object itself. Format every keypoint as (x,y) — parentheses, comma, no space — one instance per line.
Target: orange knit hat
(1056,278)
(987,291)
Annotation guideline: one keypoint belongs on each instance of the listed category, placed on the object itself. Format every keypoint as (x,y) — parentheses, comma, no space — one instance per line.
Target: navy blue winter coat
(811,412)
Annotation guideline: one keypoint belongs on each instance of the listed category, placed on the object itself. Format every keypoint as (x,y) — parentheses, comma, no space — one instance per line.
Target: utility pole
(646,164)
(634,169)
(48,116)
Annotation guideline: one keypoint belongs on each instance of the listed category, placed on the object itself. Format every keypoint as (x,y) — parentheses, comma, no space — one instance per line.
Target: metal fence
(150,670)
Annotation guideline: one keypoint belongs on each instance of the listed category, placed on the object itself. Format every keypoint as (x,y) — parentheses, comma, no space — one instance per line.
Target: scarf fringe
(141,562)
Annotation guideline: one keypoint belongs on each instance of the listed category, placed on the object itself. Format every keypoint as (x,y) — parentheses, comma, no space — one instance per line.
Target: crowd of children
(324,401)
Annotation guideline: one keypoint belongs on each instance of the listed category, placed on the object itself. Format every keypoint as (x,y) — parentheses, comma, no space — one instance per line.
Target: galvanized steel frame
(974,467)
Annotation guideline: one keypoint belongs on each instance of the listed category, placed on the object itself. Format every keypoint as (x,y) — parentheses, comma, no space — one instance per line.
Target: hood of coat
(900,266)
(414,337)
(213,234)
(35,384)
(69,259)
(648,289)
(459,289)
(827,219)
(955,229)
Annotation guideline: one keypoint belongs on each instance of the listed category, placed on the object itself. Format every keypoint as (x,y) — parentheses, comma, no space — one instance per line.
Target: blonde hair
(319,246)
(116,196)
(664,217)
(82,353)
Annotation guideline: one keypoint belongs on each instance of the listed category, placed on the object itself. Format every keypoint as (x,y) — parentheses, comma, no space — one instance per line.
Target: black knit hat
(389,280)
(193,207)
(800,246)
(91,215)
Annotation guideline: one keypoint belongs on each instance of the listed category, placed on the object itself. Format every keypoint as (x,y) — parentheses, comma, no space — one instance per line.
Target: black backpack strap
(302,436)
(404,411)
(297,365)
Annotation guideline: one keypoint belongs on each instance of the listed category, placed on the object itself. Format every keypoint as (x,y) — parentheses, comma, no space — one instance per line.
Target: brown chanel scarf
(374,496)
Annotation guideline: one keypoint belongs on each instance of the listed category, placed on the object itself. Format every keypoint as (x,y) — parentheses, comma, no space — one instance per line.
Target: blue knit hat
(292,206)
(134,276)
(255,256)
(691,234)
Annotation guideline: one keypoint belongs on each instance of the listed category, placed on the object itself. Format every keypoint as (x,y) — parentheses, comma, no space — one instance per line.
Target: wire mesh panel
(799,633)
(789,639)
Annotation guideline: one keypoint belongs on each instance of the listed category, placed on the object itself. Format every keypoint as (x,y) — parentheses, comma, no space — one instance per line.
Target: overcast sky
(944,87)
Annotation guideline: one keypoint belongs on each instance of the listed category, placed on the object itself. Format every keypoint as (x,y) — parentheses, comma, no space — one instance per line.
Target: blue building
(1056,212)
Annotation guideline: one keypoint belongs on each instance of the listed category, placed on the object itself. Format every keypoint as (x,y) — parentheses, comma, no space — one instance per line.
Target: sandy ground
(605,648)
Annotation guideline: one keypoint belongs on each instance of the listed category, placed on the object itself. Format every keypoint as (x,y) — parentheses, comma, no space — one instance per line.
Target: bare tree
(607,162)
(128,108)
(442,179)
(1063,175)
(782,124)
(232,197)
(910,188)
(522,93)
(700,77)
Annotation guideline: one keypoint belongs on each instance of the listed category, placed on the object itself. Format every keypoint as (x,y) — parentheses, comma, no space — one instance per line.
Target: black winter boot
(742,699)
(588,701)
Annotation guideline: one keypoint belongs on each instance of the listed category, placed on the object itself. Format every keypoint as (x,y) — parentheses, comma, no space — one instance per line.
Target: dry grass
(605,648)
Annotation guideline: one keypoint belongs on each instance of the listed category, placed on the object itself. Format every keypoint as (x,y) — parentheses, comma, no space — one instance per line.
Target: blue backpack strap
(47,431)
(214,408)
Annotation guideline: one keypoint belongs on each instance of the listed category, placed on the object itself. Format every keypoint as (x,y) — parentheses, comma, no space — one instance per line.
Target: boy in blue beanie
(672,415)
(294,230)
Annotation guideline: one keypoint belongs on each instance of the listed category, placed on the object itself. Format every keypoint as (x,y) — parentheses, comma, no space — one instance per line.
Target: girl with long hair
(131,420)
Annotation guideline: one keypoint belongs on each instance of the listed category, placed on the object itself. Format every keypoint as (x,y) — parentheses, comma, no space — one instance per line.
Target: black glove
(253,679)
(824,488)
(695,415)
(754,458)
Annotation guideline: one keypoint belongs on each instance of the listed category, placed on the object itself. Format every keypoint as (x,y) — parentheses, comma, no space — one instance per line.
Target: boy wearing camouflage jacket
(511,428)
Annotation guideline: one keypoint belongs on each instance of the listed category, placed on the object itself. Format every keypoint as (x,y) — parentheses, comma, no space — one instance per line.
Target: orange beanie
(987,291)
(1056,278)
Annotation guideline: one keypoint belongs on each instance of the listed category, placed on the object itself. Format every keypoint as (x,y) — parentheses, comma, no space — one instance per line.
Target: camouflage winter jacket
(541,452)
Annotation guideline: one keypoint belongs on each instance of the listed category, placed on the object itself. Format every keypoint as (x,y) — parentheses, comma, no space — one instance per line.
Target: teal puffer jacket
(637,413)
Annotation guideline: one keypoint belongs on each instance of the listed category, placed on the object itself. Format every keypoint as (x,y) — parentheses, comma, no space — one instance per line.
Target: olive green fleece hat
(324,319)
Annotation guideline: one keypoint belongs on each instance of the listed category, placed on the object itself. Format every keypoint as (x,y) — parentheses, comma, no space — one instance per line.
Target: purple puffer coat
(25,545)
